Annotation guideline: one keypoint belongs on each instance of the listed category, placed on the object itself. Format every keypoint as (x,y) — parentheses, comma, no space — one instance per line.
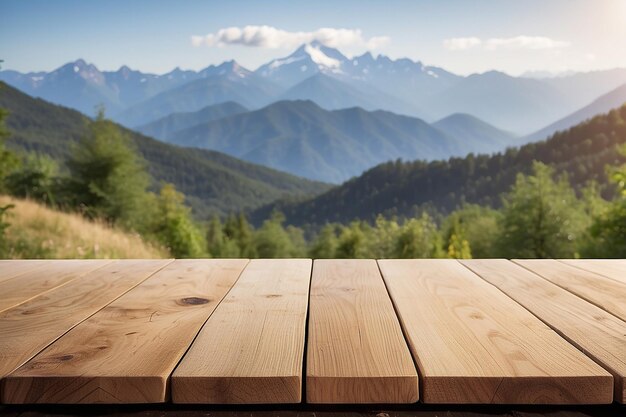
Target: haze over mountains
(602,104)
(322,74)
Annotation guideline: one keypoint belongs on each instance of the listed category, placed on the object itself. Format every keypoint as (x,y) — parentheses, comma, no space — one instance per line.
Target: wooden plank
(356,352)
(597,333)
(604,292)
(12,268)
(611,268)
(251,349)
(23,287)
(28,328)
(126,352)
(473,344)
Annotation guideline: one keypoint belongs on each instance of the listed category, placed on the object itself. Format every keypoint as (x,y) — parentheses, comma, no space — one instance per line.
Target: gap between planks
(604,292)
(474,344)
(28,328)
(595,332)
(356,352)
(261,359)
(126,352)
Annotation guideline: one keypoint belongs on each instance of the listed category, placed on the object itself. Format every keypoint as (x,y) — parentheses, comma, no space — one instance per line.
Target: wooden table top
(418,337)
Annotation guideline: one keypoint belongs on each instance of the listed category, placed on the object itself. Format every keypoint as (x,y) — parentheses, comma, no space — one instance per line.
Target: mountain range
(217,183)
(304,139)
(324,75)
(404,189)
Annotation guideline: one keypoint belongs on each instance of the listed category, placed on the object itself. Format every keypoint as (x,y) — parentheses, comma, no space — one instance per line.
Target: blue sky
(461,36)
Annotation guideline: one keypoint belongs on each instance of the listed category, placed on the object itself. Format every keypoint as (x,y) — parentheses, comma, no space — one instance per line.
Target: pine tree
(108,178)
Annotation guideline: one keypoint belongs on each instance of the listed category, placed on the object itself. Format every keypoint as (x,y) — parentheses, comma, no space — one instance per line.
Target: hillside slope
(402,188)
(37,231)
(213,182)
(473,130)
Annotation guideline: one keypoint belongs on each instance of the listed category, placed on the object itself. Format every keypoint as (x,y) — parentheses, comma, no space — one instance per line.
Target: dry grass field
(37,231)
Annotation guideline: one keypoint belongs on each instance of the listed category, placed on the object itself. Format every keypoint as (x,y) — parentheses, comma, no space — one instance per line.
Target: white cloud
(525,42)
(271,37)
(517,42)
(461,44)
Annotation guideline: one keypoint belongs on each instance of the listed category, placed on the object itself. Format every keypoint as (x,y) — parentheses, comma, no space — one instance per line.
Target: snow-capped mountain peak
(320,58)
(229,68)
(309,59)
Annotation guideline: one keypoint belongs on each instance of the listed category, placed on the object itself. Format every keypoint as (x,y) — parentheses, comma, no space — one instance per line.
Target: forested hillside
(213,182)
(404,188)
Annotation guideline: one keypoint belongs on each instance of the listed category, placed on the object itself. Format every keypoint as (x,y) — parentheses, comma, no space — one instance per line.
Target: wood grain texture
(417,410)
(126,352)
(28,328)
(23,287)
(473,344)
(597,333)
(611,268)
(604,292)
(251,349)
(12,268)
(356,352)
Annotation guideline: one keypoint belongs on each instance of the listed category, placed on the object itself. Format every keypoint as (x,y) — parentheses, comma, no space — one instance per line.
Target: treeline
(104,178)
(541,217)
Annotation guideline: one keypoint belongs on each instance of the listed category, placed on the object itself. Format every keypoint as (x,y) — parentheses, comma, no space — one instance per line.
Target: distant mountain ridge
(304,139)
(322,74)
(162,127)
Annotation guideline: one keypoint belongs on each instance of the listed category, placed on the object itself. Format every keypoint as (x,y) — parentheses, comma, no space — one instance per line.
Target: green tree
(476,225)
(609,228)
(325,243)
(458,247)
(352,242)
(419,238)
(174,227)
(272,240)
(108,178)
(382,239)
(238,232)
(36,178)
(4,225)
(8,160)
(541,217)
